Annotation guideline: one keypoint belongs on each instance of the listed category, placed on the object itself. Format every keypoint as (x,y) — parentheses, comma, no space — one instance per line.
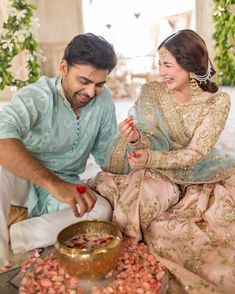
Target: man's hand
(69,193)
(138,159)
(18,160)
(128,131)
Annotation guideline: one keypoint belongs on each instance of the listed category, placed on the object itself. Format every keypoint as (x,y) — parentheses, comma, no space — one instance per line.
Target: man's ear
(63,67)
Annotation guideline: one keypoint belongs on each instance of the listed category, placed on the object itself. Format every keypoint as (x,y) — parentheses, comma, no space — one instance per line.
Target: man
(47,133)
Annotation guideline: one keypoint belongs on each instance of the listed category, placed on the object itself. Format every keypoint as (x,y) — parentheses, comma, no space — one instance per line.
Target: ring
(81,189)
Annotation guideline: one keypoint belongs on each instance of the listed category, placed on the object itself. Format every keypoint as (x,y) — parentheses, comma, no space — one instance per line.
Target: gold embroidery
(172,118)
(205,117)
(194,265)
(170,225)
(184,121)
(184,176)
(118,161)
(148,216)
(143,143)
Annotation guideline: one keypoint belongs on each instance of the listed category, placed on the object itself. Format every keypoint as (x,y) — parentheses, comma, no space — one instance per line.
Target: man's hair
(91,50)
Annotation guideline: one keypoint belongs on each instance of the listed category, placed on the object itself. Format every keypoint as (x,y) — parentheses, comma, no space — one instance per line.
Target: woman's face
(174,76)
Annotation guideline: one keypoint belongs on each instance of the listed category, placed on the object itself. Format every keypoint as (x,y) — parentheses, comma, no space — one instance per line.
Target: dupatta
(161,127)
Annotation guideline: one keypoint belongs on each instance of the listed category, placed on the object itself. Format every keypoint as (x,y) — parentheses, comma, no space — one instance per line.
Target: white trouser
(39,231)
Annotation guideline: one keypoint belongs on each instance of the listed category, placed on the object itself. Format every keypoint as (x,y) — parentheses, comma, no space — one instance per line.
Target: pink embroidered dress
(183,203)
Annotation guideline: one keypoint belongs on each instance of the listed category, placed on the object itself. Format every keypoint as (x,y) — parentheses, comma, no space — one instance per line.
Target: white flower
(21,38)
(219,11)
(18,13)
(21,14)
(221,8)
(7,44)
(30,57)
(21,35)
(11,47)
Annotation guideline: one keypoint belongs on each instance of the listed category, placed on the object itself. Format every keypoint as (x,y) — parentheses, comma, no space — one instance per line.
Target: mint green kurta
(43,119)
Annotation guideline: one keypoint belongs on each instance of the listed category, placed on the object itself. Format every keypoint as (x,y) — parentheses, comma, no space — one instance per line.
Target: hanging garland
(224,37)
(15,38)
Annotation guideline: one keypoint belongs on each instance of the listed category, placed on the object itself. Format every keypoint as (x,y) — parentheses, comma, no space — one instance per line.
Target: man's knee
(102,209)
(13,188)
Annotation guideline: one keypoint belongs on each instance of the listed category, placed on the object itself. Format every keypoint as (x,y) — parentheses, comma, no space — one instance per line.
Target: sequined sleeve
(142,143)
(204,138)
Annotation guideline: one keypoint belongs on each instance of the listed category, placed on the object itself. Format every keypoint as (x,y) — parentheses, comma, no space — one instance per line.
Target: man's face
(81,83)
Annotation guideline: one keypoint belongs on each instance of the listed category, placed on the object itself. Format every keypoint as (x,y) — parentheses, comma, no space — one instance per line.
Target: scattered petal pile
(45,275)
(137,271)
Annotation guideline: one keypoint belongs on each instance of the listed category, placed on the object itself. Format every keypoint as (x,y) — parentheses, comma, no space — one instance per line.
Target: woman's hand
(138,159)
(128,131)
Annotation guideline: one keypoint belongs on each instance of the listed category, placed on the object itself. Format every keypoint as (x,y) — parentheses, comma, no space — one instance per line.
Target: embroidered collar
(60,90)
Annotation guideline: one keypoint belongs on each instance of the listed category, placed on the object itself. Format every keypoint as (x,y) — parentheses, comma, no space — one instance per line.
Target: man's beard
(79,104)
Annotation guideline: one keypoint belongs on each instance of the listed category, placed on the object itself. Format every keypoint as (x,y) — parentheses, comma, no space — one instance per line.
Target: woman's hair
(90,49)
(191,53)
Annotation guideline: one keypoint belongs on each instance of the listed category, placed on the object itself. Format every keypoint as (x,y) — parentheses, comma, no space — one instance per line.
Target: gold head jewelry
(195,90)
(162,52)
(203,78)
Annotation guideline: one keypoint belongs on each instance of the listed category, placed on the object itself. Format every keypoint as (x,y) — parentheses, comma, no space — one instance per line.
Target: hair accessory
(202,78)
(162,50)
(81,189)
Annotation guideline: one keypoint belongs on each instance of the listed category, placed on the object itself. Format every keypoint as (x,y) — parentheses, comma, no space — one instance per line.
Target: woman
(180,193)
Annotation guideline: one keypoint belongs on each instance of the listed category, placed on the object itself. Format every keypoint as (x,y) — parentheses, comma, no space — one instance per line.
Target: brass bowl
(92,263)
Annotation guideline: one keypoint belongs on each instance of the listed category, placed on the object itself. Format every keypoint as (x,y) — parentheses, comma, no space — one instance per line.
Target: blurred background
(134,27)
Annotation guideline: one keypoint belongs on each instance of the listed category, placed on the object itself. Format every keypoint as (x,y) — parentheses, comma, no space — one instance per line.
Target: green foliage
(224,37)
(15,38)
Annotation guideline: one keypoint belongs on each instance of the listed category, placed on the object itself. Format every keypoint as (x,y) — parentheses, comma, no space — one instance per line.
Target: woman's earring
(195,90)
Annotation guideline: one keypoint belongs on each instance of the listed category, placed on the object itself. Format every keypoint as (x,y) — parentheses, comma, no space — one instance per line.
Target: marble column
(60,21)
(204,23)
